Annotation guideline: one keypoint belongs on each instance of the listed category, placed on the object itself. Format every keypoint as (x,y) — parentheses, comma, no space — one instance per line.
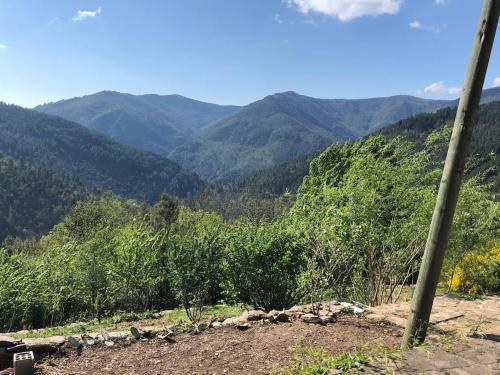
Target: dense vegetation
(223,142)
(64,146)
(274,181)
(485,143)
(34,199)
(356,230)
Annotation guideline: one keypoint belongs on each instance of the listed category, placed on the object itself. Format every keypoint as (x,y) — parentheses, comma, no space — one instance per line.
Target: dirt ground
(224,350)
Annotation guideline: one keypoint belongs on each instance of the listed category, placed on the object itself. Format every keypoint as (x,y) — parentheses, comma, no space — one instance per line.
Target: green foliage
(484,149)
(366,208)
(33,199)
(164,213)
(21,292)
(194,261)
(308,361)
(263,263)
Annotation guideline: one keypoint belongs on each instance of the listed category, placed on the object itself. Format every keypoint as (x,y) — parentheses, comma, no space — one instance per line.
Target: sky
(237,51)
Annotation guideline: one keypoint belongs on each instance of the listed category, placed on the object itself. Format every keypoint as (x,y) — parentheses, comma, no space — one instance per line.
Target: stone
(296,309)
(235,320)
(311,319)
(216,324)
(203,327)
(325,319)
(282,317)
(242,326)
(256,315)
(167,336)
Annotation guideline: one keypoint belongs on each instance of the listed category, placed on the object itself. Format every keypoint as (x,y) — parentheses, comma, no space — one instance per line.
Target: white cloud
(82,15)
(415,24)
(3,46)
(419,25)
(347,10)
(496,82)
(441,88)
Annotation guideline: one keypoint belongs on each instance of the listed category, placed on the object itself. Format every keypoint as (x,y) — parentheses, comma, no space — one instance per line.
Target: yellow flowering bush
(478,273)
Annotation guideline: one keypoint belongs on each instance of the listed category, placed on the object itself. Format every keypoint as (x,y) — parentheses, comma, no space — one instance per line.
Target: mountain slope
(273,181)
(65,146)
(227,142)
(34,199)
(149,122)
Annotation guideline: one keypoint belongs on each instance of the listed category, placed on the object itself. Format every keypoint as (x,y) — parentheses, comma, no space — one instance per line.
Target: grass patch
(309,361)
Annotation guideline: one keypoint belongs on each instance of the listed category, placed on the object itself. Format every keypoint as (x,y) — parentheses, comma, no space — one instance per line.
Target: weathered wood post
(442,218)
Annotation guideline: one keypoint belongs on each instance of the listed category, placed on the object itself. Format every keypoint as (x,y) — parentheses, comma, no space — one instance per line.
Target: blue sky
(236,51)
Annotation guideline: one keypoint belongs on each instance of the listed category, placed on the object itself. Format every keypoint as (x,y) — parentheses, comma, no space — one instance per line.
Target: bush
(478,273)
(263,264)
(194,261)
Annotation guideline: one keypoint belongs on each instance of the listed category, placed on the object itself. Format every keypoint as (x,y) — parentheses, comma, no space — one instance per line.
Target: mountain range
(220,143)
(96,160)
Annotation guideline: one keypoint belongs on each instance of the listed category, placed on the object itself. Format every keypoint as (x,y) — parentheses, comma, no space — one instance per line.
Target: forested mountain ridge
(485,142)
(34,199)
(221,143)
(484,151)
(64,146)
(156,123)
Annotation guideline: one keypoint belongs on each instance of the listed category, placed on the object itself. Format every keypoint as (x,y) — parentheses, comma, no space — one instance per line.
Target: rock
(17,349)
(256,315)
(351,308)
(325,319)
(311,319)
(216,324)
(273,312)
(234,321)
(203,327)
(7,371)
(296,308)
(120,335)
(282,317)
(167,336)
(57,340)
(242,327)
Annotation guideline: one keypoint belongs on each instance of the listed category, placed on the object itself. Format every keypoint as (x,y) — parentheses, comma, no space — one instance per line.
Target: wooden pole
(437,240)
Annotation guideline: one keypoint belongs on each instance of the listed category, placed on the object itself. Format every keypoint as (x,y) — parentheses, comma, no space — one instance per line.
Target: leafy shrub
(365,210)
(478,273)
(194,261)
(263,263)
